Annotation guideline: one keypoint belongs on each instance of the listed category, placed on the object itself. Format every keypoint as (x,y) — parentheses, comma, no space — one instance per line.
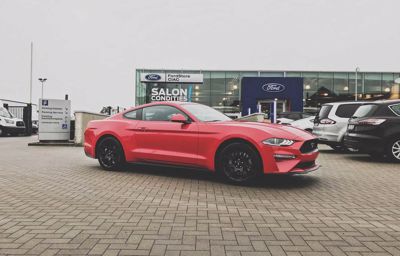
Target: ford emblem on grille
(273,87)
(153,77)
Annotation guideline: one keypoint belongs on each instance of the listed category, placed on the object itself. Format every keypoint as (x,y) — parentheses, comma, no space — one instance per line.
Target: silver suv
(330,124)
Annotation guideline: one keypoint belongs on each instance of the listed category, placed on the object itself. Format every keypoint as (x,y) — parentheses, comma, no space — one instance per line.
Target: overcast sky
(90,49)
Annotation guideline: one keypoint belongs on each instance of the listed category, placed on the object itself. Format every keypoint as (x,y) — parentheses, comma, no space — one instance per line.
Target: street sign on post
(54,120)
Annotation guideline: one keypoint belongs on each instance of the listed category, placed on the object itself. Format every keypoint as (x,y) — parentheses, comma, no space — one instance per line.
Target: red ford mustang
(195,135)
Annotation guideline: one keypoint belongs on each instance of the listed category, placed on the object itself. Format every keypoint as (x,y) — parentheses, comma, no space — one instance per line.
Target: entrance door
(267,105)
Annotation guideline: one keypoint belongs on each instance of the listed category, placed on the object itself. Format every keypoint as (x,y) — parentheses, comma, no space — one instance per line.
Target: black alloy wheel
(110,154)
(393,150)
(239,163)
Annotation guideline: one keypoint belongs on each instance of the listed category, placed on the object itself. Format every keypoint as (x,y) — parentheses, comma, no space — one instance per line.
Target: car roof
(345,102)
(388,102)
(170,103)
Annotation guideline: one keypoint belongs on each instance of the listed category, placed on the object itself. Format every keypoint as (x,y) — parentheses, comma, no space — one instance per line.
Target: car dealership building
(233,92)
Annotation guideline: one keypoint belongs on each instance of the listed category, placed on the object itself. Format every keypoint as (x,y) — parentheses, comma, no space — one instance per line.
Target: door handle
(142,129)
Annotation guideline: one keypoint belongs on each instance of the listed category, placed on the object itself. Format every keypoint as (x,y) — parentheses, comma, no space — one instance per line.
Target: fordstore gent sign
(171,78)
(255,89)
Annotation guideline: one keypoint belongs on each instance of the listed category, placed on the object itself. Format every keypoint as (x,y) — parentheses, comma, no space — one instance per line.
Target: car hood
(283,131)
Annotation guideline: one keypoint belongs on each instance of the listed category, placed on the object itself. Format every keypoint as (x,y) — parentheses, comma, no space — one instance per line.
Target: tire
(393,150)
(239,163)
(110,154)
(1,131)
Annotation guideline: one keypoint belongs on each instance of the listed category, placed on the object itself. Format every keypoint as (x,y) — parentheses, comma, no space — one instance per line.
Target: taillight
(327,121)
(371,121)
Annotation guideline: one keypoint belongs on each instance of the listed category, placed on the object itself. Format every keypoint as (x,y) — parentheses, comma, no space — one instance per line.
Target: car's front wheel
(110,154)
(239,163)
(393,150)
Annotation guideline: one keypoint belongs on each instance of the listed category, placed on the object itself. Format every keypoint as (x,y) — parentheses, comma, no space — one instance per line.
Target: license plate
(351,127)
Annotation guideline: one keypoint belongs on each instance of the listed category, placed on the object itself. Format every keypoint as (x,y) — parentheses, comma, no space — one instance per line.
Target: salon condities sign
(171,78)
(167,94)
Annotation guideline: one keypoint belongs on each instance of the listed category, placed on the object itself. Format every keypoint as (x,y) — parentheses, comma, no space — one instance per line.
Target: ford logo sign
(153,77)
(273,87)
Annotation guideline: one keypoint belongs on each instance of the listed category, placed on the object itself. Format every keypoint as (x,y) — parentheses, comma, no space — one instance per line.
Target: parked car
(375,129)
(289,117)
(10,124)
(306,124)
(35,126)
(330,124)
(195,135)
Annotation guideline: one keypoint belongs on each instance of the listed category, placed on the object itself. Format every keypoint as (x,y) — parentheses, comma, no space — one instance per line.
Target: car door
(160,140)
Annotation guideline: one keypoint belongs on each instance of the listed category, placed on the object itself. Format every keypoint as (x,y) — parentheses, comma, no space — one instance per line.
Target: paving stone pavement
(56,201)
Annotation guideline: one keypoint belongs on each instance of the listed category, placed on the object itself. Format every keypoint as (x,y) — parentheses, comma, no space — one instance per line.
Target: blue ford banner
(255,89)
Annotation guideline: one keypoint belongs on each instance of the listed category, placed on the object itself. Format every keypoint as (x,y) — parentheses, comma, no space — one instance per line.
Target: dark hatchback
(375,129)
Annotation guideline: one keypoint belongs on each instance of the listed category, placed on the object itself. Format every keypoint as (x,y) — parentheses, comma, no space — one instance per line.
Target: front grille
(305,165)
(309,146)
(20,123)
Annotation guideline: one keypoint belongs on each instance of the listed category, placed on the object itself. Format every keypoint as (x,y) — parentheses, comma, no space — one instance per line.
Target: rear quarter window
(346,110)
(324,111)
(134,115)
(395,109)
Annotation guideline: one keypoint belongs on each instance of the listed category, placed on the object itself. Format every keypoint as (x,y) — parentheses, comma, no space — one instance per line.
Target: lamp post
(356,89)
(42,80)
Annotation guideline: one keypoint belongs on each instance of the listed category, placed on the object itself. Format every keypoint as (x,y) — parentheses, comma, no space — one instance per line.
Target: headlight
(278,142)
(8,121)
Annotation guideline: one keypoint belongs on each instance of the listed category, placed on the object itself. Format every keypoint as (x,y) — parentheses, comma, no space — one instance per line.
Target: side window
(160,113)
(134,115)
(395,108)
(346,110)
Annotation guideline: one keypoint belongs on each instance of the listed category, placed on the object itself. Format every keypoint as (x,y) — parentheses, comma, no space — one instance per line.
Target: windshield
(4,113)
(205,113)
(365,110)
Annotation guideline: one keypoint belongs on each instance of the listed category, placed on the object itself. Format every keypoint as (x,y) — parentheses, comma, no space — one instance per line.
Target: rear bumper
(326,137)
(364,143)
(89,150)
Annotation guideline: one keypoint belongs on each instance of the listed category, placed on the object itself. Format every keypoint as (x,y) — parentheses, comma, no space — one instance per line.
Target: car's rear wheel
(110,154)
(239,163)
(393,150)
(1,131)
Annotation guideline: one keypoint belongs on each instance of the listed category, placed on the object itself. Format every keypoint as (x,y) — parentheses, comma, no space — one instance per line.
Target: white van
(10,124)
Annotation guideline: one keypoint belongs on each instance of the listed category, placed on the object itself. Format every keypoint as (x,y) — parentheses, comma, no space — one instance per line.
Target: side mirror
(179,118)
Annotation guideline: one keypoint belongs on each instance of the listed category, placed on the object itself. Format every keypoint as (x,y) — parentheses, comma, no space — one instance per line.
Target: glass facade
(221,89)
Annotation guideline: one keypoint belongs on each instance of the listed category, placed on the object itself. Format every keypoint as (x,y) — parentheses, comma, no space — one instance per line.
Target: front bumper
(299,162)
(306,170)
